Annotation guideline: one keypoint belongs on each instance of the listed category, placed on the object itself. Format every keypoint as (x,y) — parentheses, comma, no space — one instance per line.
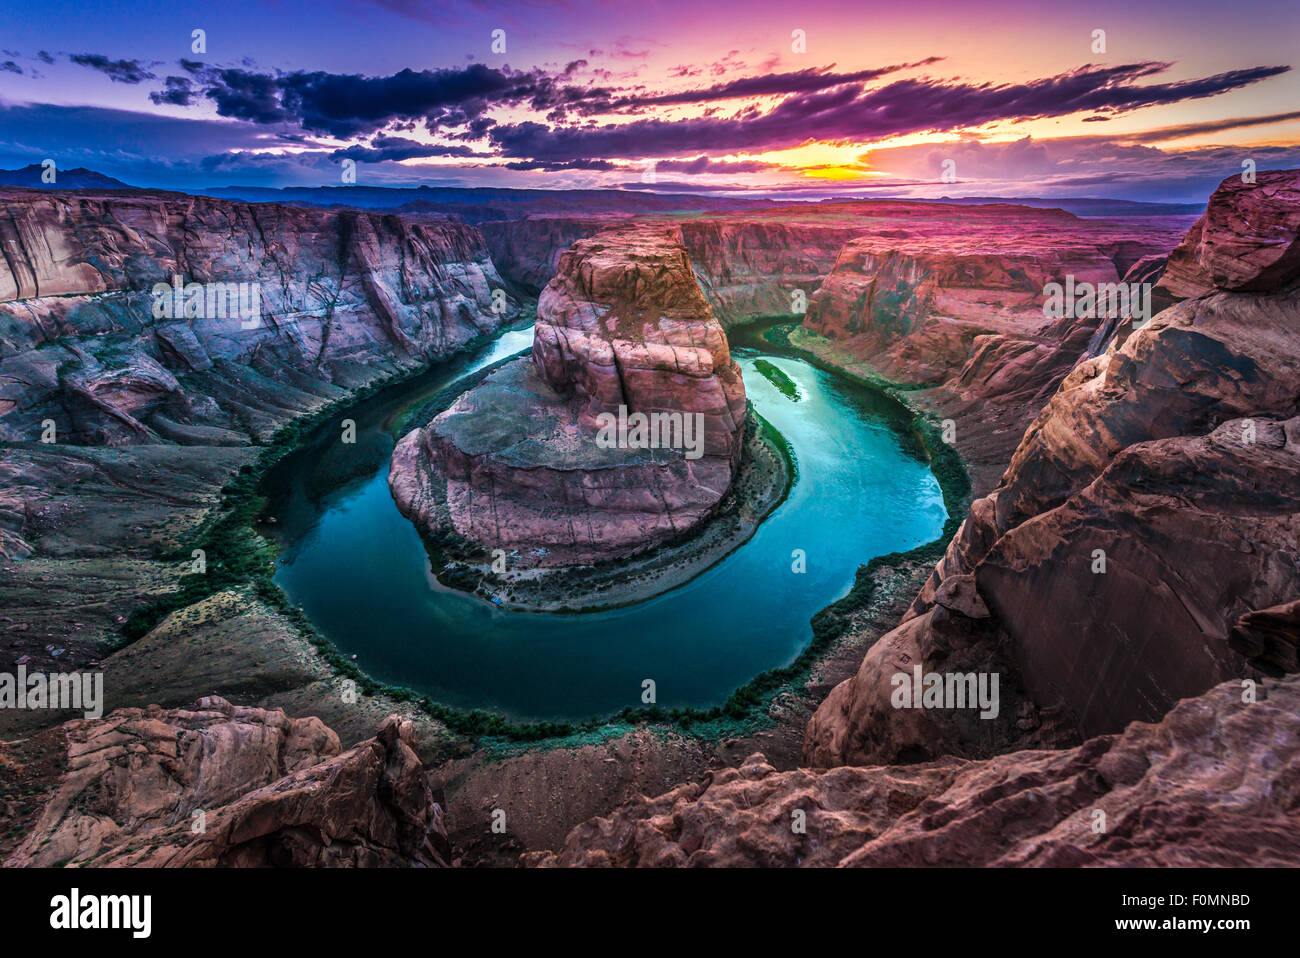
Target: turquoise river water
(359,569)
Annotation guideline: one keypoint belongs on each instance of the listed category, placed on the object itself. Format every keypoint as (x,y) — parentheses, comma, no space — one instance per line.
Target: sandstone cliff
(517,463)
(340,297)
(220,785)
(951,300)
(1151,506)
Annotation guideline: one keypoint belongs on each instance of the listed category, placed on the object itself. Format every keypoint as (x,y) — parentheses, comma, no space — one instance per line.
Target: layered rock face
(528,251)
(753,264)
(952,299)
(1150,514)
(339,297)
(519,463)
(1215,783)
(219,785)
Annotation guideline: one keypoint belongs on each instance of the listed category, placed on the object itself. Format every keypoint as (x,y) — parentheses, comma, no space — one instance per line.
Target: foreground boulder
(1214,783)
(1152,505)
(222,785)
(534,460)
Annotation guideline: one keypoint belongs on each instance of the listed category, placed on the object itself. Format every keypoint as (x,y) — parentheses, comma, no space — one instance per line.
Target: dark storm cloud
(179,92)
(552,167)
(383,148)
(590,101)
(801,81)
(848,113)
(346,105)
(119,71)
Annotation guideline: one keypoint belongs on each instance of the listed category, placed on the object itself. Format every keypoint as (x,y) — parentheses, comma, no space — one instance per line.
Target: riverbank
(754,706)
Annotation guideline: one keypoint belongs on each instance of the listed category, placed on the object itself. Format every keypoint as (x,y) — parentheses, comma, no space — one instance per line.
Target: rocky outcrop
(1246,241)
(521,462)
(1215,783)
(220,785)
(1149,512)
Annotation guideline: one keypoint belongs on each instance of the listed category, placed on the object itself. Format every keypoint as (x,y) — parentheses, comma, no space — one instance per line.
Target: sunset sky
(711,95)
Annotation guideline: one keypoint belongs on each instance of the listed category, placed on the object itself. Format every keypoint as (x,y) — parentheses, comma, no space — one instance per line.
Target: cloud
(179,92)
(10,67)
(599,165)
(848,113)
(383,148)
(1064,166)
(703,164)
(346,105)
(1210,126)
(776,84)
(119,71)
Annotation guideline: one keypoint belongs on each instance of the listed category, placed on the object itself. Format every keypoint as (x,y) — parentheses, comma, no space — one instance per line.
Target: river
(360,571)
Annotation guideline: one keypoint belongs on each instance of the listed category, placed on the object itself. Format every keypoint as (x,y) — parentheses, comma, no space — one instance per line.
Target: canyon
(1169,447)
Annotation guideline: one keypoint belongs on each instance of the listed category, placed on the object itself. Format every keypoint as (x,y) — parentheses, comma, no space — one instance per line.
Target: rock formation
(222,785)
(1149,513)
(1216,782)
(519,462)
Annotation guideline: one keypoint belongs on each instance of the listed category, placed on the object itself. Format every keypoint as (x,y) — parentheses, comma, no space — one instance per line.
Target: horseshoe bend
(858,458)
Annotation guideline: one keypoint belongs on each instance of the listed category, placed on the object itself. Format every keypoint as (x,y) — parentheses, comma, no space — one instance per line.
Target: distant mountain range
(483,204)
(78,178)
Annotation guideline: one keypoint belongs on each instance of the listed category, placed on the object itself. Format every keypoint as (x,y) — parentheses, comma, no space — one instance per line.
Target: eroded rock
(223,785)
(523,463)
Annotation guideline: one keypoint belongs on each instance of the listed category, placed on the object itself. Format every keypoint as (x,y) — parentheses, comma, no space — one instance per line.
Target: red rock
(222,785)
(1216,782)
(514,464)
(1247,239)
